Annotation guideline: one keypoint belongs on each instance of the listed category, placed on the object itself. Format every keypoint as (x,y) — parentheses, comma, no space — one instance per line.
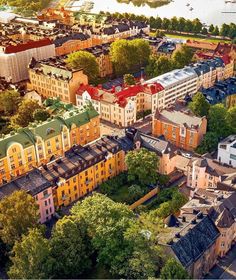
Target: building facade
(15,57)
(227,151)
(52,78)
(179,126)
(37,144)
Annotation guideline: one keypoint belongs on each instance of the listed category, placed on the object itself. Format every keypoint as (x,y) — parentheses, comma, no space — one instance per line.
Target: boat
(187,4)
(191,8)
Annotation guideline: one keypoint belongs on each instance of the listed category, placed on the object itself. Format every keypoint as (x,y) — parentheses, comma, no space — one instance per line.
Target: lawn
(194,37)
(121,194)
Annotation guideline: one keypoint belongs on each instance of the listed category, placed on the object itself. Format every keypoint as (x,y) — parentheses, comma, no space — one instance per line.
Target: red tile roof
(26,46)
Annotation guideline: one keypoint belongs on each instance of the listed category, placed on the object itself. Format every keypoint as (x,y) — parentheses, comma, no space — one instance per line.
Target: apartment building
(207,173)
(177,84)
(53,78)
(35,184)
(191,239)
(209,71)
(37,144)
(179,126)
(220,206)
(70,177)
(15,57)
(120,106)
(227,151)
(64,16)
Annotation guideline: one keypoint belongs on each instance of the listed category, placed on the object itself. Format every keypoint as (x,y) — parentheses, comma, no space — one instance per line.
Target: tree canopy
(86,61)
(25,113)
(70,247)
(173,270)
(9,101)
(18,213)
(182,57)
(142,166)
(199,106)
(41,114)
(129,55)
(31,257)
(129,79)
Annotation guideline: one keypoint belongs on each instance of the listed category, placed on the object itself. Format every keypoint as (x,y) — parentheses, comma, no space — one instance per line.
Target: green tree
(41,115)
(225,29)
(217,120)
(129,55)
(164,210)
(177,201)
(18,213)
(173,270)
(216,31)
(129,79)
(159,33)
(182,57)
(231,119)
(204,31)
(135,192)
(197,25)
(70,247)
(158,66)
(86,61)
(31,257)
(9,101)
(106,222)
(209,143)
(25,113)
(199,106)
(211,28)
(142,166)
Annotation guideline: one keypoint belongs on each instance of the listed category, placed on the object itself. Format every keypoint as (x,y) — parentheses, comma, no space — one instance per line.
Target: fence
(144,198)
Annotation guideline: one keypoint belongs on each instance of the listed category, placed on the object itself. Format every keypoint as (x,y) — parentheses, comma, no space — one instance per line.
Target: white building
(14,59)
(227,151)
(177,84)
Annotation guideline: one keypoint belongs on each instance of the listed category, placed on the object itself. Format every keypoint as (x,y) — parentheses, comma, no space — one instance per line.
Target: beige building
(52,78)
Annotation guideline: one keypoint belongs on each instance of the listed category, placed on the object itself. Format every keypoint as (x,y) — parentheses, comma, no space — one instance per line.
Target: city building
(191,239)
(179,126)
(15,57)
(35,184)
(53,78)
(120,105)
(40,142)
(177,84)
(227,151)
(205,172)
(68,178)
(221,207)
(222,92)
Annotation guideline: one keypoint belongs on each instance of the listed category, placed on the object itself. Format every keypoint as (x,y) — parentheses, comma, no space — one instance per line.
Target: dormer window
(50,130)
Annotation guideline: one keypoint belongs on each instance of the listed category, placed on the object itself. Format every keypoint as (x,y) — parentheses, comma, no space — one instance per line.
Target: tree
(18,213)
(159,33)
(199,106)
(106,222)
(129,55)
(182,57)
(197,25)
(31,257)
(173,270)
(204,31)
(231,119)
(135,192)
(178,200)
(158,66)
(70,240)
(164,210)
(86,61)
(41,115)
(211,28)
(225,29)
(9,101)
(216,31)
(217,120)
(209,143)
(129,80)
(25,113)
(142,165)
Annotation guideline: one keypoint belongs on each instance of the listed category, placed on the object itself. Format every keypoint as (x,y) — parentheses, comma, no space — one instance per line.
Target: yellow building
(82,169)
(37,144)
(52,78)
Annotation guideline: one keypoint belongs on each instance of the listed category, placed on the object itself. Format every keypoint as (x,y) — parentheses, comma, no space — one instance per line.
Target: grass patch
(195,37)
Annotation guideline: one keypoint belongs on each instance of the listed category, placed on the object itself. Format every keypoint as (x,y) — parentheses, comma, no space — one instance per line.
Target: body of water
(208,11)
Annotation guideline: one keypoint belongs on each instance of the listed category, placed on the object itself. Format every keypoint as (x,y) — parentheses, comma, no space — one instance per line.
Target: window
(74,179)
(45,203)
(45,193)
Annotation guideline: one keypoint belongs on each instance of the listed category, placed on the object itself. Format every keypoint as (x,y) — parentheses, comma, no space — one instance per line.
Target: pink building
(205,172)
(35,184)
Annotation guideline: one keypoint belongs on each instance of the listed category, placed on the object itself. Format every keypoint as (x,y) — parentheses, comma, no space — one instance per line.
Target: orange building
(179,126)
(62,15)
